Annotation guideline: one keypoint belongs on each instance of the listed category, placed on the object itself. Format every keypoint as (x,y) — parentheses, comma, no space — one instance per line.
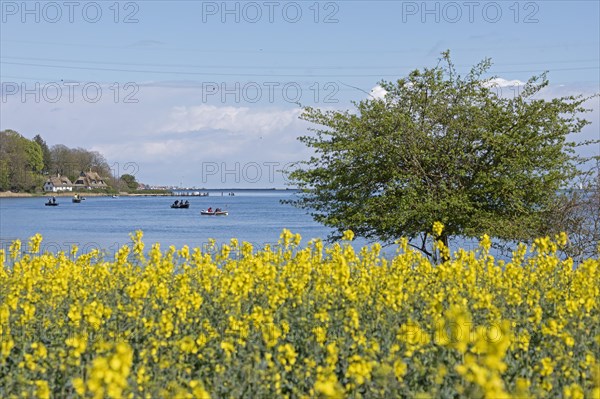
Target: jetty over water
(187,193)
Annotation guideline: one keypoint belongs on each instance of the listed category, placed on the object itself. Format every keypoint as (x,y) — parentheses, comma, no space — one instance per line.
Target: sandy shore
(6,194)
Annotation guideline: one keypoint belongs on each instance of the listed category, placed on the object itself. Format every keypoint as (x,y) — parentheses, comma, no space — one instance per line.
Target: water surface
(255,216)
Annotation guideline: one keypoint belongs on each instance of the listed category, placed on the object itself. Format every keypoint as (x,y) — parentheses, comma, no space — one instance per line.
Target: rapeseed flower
(290,321)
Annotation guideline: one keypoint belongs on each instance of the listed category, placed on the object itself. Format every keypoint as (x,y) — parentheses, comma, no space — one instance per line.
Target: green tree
(35,157)
(46,156)
(440,147)
(21,161)
(130,181)
(4,175)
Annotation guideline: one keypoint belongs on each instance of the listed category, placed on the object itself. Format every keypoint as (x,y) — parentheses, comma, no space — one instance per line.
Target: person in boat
(187,202)
(218,210)
(54,200)
(210,209)
(176,203)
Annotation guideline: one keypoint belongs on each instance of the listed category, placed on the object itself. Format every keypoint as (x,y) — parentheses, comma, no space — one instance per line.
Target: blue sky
(205,93)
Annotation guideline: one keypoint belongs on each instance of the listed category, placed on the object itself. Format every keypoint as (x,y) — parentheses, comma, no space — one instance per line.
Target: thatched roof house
(89,180)
(58,183)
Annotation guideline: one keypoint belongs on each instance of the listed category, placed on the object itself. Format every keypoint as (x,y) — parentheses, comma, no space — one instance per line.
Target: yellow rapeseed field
(294,321)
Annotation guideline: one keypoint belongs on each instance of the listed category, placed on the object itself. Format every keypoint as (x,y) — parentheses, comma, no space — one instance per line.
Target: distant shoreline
(10,194)
(174,193)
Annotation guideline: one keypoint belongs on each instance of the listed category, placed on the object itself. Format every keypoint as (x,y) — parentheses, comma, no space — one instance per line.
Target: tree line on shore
(26,164)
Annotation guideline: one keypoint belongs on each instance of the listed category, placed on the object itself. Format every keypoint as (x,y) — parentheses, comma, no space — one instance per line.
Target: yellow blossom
(348,235)
(438,227)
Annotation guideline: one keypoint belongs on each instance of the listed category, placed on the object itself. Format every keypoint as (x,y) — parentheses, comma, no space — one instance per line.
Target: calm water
(256,216)
(105,222)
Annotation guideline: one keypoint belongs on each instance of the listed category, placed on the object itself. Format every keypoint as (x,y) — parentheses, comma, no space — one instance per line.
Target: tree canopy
(24,162)
(129,181)
(71,161)
(440,147)
(21,160)
(46,156)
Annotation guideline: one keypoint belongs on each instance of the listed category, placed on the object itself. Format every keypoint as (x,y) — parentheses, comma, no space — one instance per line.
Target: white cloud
(231,119)
(378,92)
(501,82)
(164,149)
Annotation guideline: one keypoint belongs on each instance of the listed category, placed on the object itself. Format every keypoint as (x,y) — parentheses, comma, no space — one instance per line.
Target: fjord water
(256,216)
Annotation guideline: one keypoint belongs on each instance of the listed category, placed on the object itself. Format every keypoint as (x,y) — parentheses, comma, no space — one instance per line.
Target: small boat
(180,205)
(77,199)
(115,196)
(51,204)
(213,213)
